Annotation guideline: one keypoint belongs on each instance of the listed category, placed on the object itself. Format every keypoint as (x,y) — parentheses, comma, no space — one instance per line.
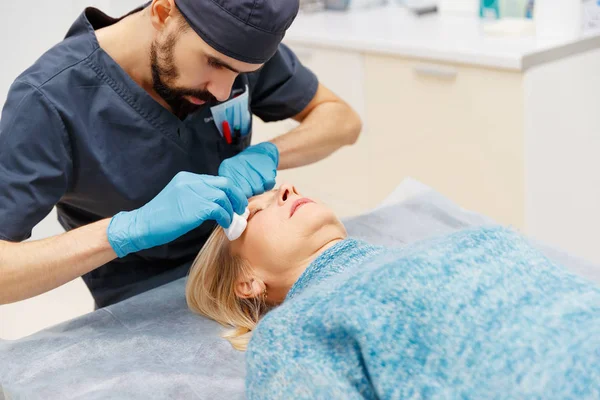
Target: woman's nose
(286,191)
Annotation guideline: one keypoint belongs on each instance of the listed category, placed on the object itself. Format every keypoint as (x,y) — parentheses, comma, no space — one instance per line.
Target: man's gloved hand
(184,204)
(254,169)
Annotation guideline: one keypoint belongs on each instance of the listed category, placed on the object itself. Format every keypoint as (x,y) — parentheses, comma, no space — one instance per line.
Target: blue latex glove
(184,204)
(253,170)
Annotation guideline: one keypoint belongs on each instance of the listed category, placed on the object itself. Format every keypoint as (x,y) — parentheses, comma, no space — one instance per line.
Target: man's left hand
(253,170)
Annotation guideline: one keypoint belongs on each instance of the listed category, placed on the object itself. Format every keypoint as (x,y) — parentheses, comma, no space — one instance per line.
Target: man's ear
(160,12)
(249,288)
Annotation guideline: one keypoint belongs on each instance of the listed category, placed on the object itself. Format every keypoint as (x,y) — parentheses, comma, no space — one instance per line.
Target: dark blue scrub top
(77,132)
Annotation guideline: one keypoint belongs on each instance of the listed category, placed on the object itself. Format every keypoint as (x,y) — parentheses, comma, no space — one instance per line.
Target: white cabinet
(562,147)
(520,146)
(458,129)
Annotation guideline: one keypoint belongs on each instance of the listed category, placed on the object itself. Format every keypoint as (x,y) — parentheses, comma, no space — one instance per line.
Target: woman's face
(285,233)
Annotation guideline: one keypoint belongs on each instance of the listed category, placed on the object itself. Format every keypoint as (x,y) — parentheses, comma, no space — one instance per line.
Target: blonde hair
(210,290)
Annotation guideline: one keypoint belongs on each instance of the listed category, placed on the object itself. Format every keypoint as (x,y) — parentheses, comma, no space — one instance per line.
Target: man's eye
(214,64)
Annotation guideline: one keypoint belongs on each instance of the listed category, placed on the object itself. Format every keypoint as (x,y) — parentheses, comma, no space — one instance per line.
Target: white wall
(28,29)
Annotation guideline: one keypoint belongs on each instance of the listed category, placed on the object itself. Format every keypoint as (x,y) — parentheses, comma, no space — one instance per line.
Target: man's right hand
(184,204)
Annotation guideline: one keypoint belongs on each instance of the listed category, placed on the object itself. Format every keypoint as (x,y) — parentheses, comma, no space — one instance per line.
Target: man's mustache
(203,95)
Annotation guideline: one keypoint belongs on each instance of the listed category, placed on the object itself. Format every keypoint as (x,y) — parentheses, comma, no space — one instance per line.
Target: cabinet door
(562,142)
(457,129)
(334,179)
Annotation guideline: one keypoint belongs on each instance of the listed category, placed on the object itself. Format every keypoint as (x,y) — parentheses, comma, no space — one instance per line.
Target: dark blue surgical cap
(246,30)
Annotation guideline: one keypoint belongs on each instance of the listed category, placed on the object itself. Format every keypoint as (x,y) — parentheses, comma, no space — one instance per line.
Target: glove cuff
(118,234)
(272,151)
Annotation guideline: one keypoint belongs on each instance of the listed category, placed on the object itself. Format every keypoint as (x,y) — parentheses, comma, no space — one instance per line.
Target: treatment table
(152,347)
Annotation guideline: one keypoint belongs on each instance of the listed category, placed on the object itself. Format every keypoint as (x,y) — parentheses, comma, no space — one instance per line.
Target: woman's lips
(298,203)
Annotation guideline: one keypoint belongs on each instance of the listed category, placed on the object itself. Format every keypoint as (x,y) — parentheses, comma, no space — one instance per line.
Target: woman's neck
(282,283)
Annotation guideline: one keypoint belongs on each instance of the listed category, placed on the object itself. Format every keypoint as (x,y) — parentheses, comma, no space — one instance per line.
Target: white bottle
(513,8)
(591,15)
(558,19)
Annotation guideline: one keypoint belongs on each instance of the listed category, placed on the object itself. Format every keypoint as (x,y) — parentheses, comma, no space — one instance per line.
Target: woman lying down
(476,314)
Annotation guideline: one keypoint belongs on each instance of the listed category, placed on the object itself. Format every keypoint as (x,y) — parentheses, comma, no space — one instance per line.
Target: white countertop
(396,31)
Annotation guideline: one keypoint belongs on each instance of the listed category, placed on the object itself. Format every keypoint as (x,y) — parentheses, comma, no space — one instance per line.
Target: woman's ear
(249,288)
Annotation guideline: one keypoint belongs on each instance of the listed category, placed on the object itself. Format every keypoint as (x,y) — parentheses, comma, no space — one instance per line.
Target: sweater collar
(338,258)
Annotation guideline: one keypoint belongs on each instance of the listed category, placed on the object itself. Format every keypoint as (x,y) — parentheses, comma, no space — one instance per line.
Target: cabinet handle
(436,71)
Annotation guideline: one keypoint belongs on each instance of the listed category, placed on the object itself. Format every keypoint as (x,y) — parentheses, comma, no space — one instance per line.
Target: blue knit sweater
(478,314)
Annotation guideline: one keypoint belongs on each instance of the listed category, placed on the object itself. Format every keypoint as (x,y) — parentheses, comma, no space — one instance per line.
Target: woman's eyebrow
(272,192)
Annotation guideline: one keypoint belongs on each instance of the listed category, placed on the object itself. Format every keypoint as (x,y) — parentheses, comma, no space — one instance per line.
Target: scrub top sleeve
(283,87)
(35,161)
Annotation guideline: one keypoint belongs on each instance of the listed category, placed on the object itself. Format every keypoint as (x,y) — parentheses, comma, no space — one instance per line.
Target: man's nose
(286,191)
(221,88)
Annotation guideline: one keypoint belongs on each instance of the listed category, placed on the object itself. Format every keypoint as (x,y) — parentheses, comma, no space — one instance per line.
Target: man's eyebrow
(220,63)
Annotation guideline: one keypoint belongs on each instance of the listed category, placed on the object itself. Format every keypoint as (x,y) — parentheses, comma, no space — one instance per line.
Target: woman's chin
(321,218)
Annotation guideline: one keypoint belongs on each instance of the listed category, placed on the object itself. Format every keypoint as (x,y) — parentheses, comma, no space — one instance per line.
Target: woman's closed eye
(263,201)
(254,212)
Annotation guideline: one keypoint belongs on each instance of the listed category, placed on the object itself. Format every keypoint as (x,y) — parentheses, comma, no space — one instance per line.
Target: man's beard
(162,73)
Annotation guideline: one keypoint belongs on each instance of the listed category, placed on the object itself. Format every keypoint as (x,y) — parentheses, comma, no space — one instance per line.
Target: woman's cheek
(279,236)
(257,231)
